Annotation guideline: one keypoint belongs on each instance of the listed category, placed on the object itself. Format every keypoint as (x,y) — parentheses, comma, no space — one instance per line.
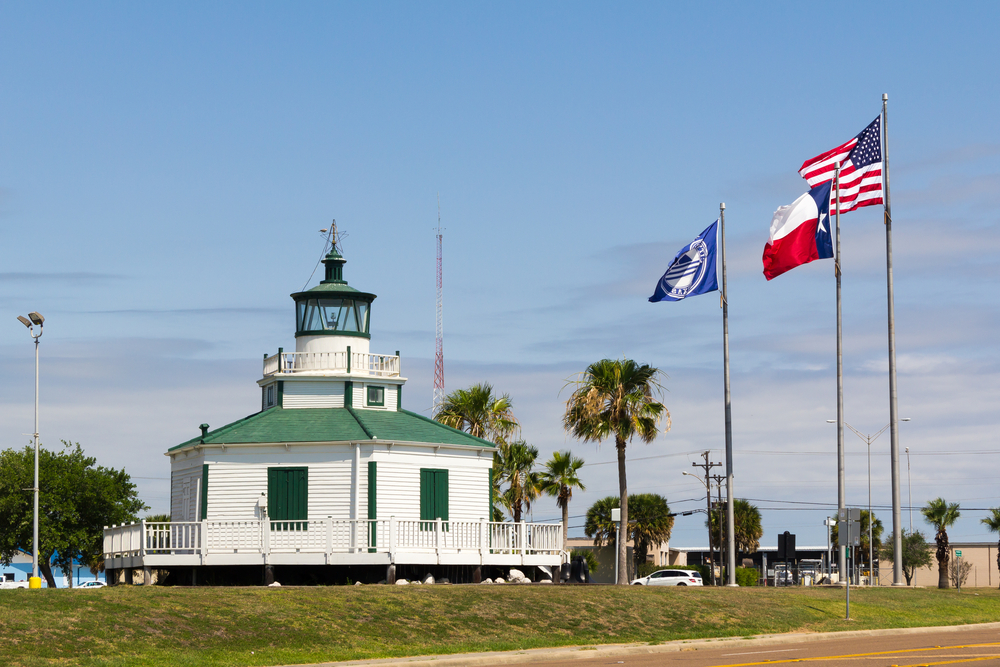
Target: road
(902,649)
(910,647)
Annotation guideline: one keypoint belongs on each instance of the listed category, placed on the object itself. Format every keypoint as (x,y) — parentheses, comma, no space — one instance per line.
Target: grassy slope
(222,626)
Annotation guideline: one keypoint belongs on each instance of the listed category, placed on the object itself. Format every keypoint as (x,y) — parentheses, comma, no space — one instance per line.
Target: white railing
(362,363)
(330,536)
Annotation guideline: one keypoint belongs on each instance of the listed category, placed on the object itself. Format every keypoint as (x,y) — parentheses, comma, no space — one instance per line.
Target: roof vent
(204,430)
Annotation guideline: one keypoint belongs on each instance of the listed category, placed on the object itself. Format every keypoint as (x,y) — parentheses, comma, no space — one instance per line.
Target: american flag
(860,170)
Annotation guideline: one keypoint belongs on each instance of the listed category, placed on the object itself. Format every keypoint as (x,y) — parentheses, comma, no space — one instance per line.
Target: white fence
(362,363)
(490,541)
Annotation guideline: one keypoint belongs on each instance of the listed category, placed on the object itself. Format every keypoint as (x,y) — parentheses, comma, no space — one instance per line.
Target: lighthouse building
(331,472)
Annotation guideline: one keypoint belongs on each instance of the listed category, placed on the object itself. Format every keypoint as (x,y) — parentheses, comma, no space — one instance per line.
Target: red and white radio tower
(439,331)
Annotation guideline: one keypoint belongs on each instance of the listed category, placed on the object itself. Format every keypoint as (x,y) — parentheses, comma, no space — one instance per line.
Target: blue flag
(693,270)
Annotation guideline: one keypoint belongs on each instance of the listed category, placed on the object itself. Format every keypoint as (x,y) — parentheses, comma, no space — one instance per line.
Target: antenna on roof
(439,328)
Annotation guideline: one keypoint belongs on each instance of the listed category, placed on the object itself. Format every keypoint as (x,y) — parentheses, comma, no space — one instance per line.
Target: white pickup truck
(14,584)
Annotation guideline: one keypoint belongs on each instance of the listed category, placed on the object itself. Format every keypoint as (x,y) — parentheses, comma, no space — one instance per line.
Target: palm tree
(599,524)
(616,398)
(561,476)
(877,530)
(941,515)
(650,525)
(516,459)
(479,413)
(993,523)
(746,520)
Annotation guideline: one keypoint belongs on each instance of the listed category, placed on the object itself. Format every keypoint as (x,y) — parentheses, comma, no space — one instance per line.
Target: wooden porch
(331,542)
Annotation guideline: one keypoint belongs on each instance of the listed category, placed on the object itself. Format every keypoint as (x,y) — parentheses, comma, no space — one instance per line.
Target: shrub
(746,576)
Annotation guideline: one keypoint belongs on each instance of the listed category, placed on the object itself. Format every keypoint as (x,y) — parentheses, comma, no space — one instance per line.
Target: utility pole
(708,506)
(723,553)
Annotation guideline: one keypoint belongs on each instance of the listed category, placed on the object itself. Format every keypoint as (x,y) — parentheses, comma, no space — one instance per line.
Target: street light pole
(34,319)
(869,439)
(909,489)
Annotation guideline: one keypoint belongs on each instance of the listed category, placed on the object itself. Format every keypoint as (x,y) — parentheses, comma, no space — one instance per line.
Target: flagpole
(841,484)
(897,538)
(730,498)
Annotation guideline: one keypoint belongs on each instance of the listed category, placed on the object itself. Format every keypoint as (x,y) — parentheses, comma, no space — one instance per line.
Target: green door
(433,496)
(288,498)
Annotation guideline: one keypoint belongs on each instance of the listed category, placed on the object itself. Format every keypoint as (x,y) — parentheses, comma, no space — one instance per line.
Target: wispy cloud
(69,277)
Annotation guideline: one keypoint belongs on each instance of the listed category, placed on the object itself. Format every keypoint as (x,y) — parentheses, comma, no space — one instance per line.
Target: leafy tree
(993,523)
(560,477)
(616,397)
(877,530)
(650,524)
(941,515)
(916,553)
(76,499)
(747,522)
(516,460)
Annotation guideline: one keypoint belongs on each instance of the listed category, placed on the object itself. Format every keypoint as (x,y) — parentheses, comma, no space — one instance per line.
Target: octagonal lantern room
(333,315)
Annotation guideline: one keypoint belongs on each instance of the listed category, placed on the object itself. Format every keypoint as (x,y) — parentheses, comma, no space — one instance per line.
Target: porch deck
(331,542)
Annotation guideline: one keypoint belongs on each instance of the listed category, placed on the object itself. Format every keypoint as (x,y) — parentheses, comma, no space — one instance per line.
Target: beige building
(981,555)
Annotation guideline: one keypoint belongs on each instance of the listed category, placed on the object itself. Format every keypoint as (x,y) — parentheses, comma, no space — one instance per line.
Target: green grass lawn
(269,626)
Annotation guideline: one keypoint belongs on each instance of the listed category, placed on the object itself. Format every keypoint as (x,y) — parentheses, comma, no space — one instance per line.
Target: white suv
(670,578)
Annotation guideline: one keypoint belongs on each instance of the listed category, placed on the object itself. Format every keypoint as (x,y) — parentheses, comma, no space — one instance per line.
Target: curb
(529,656)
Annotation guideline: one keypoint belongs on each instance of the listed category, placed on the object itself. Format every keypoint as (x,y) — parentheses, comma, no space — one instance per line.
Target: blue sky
(165,169)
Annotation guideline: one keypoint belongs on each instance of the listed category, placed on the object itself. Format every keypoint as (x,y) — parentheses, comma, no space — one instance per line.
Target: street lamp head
(905,419)
(831,421)
(24,320)
(36,318)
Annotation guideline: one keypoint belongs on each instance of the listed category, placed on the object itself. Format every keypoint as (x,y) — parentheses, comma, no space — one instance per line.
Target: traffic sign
(958,552)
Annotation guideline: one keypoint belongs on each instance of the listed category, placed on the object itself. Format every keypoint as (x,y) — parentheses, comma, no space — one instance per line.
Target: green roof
(332,289)
(335,424)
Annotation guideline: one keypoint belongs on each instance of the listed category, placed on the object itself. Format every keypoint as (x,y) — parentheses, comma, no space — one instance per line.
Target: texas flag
(800,232)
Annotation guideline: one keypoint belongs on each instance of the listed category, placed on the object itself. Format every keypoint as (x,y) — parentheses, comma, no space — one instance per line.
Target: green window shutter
(489,512)
(372,505)
(204,492)
(433,496)
(441,494)
(426,495)
(288,497)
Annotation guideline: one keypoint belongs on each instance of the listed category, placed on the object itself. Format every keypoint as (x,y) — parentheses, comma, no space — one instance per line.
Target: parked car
(14,584)
(92,584)
(670,578)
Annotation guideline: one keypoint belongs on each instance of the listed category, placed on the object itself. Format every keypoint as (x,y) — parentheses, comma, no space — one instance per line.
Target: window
(288,498)
(433,496)
(270,395)
(376,396)
(344,315)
